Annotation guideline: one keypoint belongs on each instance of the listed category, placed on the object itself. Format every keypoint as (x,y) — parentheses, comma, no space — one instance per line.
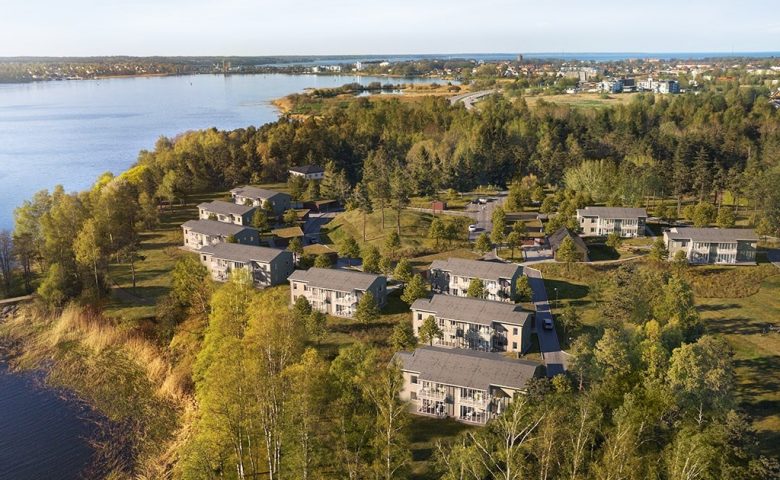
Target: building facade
(454,275)
(730,246)
(467,385)
(200,233)
(257,197)
(267,266)
(475,324)
(336,291)
(226,212)
(602,221)
(309,172)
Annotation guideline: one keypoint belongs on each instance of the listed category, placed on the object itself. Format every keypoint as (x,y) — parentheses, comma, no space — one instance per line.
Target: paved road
(483,215)
(552,354)
(469,99)
(311,230)
(774,256)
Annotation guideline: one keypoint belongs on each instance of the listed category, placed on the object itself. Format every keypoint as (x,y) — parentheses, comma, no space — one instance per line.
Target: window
(514,331)
(419,316)
(413,395)
(441,322)
(414,380)
(514,345)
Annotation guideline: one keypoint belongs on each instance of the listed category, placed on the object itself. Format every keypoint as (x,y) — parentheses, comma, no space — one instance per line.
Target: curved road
(469,99)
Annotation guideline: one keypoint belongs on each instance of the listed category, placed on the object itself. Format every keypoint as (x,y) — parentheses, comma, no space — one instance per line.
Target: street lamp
(556,296)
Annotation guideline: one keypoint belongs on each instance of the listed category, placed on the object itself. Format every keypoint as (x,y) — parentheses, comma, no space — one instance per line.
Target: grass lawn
(742,321)
(424,432)
(423,262)
(582,100)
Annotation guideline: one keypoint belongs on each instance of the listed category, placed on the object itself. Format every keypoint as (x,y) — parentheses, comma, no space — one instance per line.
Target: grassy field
(583,100)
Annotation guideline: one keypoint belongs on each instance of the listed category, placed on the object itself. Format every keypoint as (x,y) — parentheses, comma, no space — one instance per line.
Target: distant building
(226,212)
(475,324)
(336,291)
(713,245)
(309,172)
(454,275)
(200,233)
(254,196)
(601,221)
(267,266)
(466,385)
(659,86)
(557,238)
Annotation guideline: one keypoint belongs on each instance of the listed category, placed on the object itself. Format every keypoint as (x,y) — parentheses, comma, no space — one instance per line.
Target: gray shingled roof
(335,279)
(467,368)
(242,253)
(472,310)
(612,212)
(556,238)
(475,268)
(213,227)
(307,169)
(721,235)
(225,208)
(256,192)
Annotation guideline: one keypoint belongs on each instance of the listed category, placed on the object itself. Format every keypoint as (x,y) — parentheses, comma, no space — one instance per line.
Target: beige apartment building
(467,385)
(731,246)
(454,275)
(601,221)
(256,197)
(475,324)
(336,291)
(267,266)
(226,212)
(200,233)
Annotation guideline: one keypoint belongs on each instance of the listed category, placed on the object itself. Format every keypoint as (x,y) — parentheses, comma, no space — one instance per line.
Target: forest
(650,394)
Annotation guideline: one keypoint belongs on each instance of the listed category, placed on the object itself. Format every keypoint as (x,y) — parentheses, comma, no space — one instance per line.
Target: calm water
(41,434)
(70,132)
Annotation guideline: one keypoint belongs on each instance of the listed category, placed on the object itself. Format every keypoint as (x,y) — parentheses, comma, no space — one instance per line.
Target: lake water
(41,434)
(69,132)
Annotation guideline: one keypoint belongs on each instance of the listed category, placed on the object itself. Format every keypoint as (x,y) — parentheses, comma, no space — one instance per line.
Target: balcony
(429,394)
(476,402)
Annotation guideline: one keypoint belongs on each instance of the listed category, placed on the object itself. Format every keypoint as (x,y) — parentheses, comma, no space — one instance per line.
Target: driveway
(553,356)
(483,215)
(311,230)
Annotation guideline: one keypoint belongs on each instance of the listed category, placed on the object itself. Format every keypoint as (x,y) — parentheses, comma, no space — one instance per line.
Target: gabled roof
(467,368)
(722,235)
(612,212)
(288,232)
(243,253)
(556,238)
(257,193)
(476,268)
(307,169)
(472,310)
(225,208)
(213,227)
(335,279)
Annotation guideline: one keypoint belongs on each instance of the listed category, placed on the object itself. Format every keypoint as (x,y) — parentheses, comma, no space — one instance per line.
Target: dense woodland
(649,394)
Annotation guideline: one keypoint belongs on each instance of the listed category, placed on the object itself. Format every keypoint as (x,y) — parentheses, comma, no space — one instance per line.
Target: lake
(69,132)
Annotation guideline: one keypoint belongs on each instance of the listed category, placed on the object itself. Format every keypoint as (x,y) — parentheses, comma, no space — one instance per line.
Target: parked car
(473,227)
(548,324)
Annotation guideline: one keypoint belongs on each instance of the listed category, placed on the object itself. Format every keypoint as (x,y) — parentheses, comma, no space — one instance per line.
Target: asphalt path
(549,346)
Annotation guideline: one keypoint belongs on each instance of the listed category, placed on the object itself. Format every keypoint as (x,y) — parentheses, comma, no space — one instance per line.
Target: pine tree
(414,289)
(429,330)
(476,288)
(367,309)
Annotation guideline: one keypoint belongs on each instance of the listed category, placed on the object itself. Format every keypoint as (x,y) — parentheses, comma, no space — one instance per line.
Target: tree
(301,308)
(313,190)
(190,285)
(523,289)
(548,205)
(392,418)
(323,261)
(260,220)
(703,214)
(89,252)
(513,240)
(349,248)
(520,228)
(614,241)
(659,252)
(726,218)
(476,288)
(483,244)
(567,252)
(437,230)
(377,171)
(367,309)
(429,330)
(499,226)
(414,289)
(371,259)
(517,197)
(362,202)
(403,271)
(56,287)
(295,246)
(290,217)
(402,337)
(296,184)
(764,228)
(6,260)
(231,239)
(334,184)
(315,323)
(701,374)
(570,320)
(386,266)
(392,243)
(680,261)
(148,211)
(401,189)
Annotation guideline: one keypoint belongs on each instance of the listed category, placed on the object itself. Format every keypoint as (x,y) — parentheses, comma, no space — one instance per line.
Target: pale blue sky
(301,27)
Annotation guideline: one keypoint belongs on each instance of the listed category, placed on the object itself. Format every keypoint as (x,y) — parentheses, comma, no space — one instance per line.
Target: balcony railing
(475,402)
(428,394)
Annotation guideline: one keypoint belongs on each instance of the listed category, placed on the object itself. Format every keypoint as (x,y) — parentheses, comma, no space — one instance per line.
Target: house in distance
(257,197)
(267,266)
(226,212)
(309,172)
(736,246)
(601,221)
(200,233)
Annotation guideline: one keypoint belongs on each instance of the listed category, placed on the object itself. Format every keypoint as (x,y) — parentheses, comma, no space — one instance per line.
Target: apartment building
(267,266)
(454,275)
(254,196)
(226,212)
(309,172)
(475,324)
(735,246)
(199,233)
(601,221)
(336,291)
(467,385)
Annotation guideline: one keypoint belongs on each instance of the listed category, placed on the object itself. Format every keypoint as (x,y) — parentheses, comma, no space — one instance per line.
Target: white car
(473,228)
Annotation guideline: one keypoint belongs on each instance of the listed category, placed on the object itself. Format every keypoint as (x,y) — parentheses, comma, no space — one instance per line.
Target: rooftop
(556,238)
(473,310)
(307,169)
(242,253)
(288,232)
(713,234)
(225,208)
(213,227)
(612,212)
(467,368)
(476,268)
(335,279)
(256,192)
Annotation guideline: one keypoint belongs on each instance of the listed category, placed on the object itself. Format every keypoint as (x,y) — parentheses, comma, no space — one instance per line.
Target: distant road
(549,346)
(469,99)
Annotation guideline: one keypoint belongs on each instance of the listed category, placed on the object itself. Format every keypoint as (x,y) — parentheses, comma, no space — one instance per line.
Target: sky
(351,27)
